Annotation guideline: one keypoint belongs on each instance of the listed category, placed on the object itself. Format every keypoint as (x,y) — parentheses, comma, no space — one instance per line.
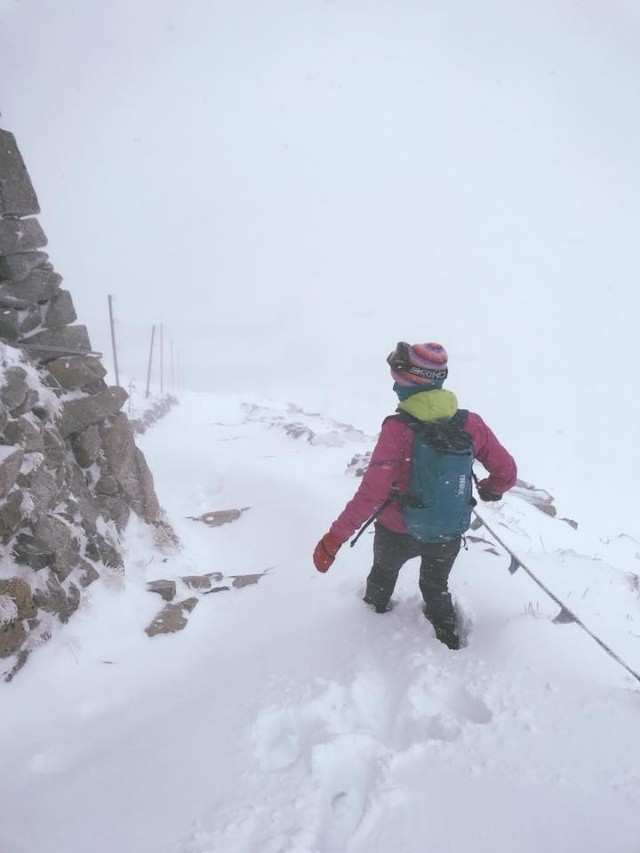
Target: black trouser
(392,550)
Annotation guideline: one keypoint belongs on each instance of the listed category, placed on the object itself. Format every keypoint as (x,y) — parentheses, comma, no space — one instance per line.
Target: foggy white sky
(292,186)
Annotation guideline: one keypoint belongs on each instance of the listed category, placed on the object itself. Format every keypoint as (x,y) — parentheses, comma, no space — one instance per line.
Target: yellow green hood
(433,405)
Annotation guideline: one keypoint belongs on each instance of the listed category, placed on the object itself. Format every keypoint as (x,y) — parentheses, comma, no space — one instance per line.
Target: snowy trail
(287,717)
(374,703)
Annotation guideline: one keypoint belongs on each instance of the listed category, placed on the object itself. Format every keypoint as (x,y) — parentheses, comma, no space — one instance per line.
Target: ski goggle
(400,361)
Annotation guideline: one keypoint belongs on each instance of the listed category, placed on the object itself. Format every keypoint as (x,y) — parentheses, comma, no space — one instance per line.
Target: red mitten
(486,494)
(325,552)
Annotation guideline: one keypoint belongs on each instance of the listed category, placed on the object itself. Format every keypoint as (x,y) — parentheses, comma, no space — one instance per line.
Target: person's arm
(499,464)
(382,473)
(375,487)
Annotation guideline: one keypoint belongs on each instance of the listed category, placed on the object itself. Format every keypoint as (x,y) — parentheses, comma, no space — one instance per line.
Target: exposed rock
(28,404)
(86,446)
(115,508)
(172,618)
(53,598)
(17,267)
(202,582)
(55,533)
(88,574)
(31,319)
(12,636)
(240,581)
(61,311)
(29,550)
(44,488)
(14,389)
(24,433)
(10,515)
(76,371)
(166,589)
(39,286)
(19,592)
(219,517)
(107,485)
(54,448)
(52,343)
(62,501)
(77,415)
(99,550)
(10,323)
(17,196)
(129,467)
(20,235)
(10,462)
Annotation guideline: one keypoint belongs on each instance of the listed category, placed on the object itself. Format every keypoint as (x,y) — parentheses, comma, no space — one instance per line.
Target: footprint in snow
(277,740)
(440,710)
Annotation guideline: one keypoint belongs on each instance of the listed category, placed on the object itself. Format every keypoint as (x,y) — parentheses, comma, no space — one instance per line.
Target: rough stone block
(128,465)
(10,515)
(31,320)
(12,636)
(21,431)
(17,196)
(165,588)
(20,235)
(76,371)
(31,400)
(114,508)
(8,299)
(44,489)
(15,387)
(10,462)
(172,618)
(52,343)
(77,415)
(30,551)
(19,266)
(202,582)
(53,598)
(99,550)
(86,446)
(20,592)
(39,286)
(10,323)
(60,311)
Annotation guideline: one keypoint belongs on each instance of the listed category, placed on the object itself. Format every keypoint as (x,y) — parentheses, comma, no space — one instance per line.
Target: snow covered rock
(70,472)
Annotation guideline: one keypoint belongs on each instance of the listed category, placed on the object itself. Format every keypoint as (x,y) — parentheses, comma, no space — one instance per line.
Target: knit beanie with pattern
(419,366)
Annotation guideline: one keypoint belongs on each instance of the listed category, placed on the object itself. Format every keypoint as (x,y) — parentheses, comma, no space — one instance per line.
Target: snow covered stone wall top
(70,472)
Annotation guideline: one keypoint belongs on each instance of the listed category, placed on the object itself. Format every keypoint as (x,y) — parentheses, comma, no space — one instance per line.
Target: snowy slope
(289,717)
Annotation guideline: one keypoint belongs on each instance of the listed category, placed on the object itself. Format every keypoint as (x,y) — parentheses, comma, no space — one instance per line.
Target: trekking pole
(392,496)
(565,615)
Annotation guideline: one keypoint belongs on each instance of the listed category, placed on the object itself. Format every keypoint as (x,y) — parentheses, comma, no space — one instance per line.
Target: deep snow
(289,717)
(291,188)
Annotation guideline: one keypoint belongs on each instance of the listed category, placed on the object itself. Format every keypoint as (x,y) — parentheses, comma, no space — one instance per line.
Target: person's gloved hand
(325,552)
(486,494)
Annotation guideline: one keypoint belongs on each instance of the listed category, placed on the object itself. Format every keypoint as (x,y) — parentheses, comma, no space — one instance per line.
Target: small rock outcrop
(70,472)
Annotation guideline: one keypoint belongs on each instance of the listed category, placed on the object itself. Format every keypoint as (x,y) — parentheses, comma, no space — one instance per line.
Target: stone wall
(70,471)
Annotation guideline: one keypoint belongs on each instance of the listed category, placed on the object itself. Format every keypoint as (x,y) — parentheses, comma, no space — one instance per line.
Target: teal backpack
(439,502)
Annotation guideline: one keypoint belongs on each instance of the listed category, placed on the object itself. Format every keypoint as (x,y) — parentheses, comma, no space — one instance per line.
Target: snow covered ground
(291,188)
(287,716)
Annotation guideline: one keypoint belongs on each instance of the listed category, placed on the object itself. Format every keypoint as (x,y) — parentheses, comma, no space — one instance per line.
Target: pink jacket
(390,465)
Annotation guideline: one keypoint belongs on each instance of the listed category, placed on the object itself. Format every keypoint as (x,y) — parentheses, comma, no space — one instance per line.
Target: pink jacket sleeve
(385,470)
(492,455)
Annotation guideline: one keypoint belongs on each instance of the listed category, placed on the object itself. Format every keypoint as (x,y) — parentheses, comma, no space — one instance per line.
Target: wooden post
(173,379)
(161,359)
(153,331)
(113,340)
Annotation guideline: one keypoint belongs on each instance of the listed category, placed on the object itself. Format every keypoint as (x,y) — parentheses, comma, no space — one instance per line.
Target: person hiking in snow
(397,479)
